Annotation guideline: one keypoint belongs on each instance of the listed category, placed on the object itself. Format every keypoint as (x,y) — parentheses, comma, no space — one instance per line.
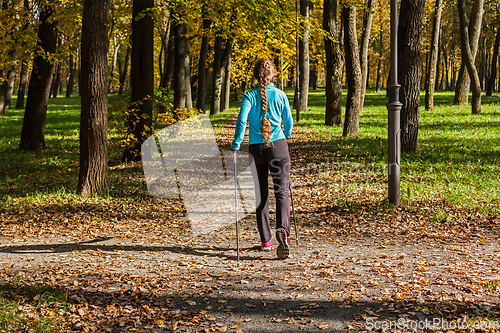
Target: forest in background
(180,58)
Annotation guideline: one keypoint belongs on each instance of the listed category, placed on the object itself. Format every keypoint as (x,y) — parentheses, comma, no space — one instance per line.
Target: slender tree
(23,84)
(494,61)
(123,75)
(334,64)
(468,58)
(429,92)
(187,65)
(202,64)
(7,87)
(380,59)
(116,50)
(56,81)
(23,76)
(306,12)
(463,81)
(226,85)
(380,51)
(32,133)
(71,79)
(180,69)
(168,73)
(93,176)
(142,79)
(409,70)
(221,57)
(365,43)
(438,64)
(353,72)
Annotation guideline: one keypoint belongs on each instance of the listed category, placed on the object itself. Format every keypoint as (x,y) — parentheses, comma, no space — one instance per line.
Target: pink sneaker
(267,246)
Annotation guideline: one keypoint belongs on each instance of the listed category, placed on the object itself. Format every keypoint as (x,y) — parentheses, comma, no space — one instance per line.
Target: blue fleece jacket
(278,108)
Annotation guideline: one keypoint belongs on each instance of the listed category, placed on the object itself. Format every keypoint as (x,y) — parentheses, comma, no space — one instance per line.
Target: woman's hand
(233,152)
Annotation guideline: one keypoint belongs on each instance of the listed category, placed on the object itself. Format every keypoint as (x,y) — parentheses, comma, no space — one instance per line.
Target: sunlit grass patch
(32,308)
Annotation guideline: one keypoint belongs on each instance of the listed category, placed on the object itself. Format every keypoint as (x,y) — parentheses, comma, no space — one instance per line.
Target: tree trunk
(93,176)
(353,73)
(180,69)
(305,10)
(409,70)
(57,81)
(425,73)
(71,79)
(113,66)
(32,133)
(226,88)
(53,80)
(334,65)
(438,64)
(202,66)
(10,76)
(142,80)
(313,75)
(482,64)
(468,58)
(463,81)
(446,67)
(220,59)
(23,77)
(367,75)
(433,63)
(187,65)
(168,73)
(454,56)
(491,84)
(365,40)
(380,58)
(123,75)
(8,86)
(163,49)
(23,84)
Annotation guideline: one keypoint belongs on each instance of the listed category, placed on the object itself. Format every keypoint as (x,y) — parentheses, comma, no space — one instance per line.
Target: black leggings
(272,157)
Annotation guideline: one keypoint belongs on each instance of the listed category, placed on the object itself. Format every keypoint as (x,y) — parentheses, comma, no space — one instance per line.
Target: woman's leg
(279,166)
(261,188)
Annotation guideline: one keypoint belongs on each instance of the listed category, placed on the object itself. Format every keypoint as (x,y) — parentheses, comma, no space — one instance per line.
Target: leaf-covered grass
(32,308)
(458,159)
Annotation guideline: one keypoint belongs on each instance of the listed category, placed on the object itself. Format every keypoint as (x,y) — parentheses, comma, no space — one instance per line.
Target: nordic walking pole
(293,212)
(236,210)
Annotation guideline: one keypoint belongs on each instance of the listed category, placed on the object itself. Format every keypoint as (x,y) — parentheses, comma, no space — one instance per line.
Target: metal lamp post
(394,110)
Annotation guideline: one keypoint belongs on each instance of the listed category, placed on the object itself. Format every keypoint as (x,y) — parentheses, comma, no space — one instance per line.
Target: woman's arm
(241,123)
(287,118)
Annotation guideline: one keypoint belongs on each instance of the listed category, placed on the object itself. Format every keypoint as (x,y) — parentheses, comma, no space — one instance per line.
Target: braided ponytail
(264,73)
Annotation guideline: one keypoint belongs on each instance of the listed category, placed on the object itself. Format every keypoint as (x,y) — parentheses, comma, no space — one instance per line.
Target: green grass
(458,155)
(457,161)
(32,308)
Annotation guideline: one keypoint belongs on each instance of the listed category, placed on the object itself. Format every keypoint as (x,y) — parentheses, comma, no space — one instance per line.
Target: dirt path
(351,271)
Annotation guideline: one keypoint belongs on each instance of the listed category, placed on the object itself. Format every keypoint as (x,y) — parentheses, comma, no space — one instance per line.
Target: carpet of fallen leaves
(130,264)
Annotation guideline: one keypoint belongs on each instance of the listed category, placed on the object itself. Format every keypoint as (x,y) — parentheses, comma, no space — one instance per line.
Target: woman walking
(265,107)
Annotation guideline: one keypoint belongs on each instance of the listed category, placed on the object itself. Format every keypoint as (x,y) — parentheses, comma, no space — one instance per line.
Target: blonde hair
(264,72)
